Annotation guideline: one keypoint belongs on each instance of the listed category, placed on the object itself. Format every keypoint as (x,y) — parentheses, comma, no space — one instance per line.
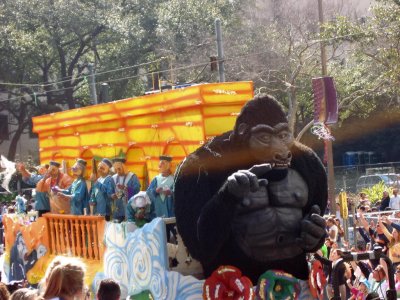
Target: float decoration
(174,122)
(138,262)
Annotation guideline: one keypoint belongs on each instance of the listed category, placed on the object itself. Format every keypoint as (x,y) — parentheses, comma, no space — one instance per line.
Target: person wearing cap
(138,209)
(160,192)
(42,202)
(55,180)
(126,185)
(378,281)
(102,189)
(77,194)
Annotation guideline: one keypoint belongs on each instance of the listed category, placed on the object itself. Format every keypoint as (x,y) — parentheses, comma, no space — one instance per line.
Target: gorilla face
(271,144)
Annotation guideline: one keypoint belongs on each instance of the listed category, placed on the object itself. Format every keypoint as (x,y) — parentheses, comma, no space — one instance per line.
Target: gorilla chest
(267,222)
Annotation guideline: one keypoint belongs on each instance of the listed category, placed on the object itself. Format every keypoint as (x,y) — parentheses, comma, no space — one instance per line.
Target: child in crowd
(64,279)
(108,290)
(25,294)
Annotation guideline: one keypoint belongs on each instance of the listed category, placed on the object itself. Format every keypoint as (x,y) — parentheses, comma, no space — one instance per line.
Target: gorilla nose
(283,156)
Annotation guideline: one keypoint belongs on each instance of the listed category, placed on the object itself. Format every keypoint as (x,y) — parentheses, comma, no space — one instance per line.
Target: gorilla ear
(242,128)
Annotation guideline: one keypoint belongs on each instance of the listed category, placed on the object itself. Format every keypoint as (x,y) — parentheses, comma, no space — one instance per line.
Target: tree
(371,70)
(51,42)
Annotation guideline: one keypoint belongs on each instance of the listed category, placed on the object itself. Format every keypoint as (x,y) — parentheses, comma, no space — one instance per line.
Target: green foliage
(7,197)
(367,79)
(375,192)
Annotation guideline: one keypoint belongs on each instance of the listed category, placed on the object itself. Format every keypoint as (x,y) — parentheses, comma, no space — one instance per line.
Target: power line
(165,70)
(108,81)
(204,64)
(43,84)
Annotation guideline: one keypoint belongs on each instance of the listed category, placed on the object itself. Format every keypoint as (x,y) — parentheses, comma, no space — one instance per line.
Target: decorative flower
(227,282)
(317,280)
(275,285)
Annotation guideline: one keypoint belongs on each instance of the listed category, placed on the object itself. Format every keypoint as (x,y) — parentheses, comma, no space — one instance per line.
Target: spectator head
(64,279)
(395,192)
(335,254)
(385,194)
(14,285)
(108,290)
(4,294)
(363,196)
(364,286)
(396,235)
(330,221)
(24,294)
(397,273)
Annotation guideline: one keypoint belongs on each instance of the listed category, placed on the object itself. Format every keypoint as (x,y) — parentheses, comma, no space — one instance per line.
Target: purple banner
(325,100)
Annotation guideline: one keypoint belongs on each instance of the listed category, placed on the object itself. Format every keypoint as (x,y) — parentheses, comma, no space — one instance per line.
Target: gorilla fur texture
(210,216)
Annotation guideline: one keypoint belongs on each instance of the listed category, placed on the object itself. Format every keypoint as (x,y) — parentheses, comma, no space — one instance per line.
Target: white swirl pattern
(138,261)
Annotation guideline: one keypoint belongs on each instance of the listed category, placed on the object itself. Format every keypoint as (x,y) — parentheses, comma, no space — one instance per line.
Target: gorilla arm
(208,201)
(307,163)
(203,208)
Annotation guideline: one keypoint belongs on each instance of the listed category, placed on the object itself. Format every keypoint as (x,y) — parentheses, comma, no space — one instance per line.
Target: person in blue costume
(77,194)
(160,192)
(20,202)
(138,210)
(126,185)
(42,202)
(102,190)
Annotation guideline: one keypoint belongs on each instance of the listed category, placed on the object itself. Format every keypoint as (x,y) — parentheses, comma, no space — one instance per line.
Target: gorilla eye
(284,135)
(264,137)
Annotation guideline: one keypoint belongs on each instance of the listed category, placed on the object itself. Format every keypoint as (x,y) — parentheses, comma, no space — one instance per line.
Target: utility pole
(328,143)
(220,51)
(92,83)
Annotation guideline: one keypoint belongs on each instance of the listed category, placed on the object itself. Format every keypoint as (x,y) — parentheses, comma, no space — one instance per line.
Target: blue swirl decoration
(138,262)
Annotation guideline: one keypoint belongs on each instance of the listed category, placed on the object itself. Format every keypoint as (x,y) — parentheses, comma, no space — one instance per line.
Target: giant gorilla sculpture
(252,197)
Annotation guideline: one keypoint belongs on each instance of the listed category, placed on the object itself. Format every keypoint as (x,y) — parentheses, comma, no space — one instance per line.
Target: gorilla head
(262,127)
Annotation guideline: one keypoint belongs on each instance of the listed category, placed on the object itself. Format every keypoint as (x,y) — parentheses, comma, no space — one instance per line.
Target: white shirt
(333,232)
(394,202)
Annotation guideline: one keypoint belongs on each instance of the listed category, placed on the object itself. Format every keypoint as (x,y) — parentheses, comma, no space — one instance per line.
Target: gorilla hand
(312,230)
(242,182)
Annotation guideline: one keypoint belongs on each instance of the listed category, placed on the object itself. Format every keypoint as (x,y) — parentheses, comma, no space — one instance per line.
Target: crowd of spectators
(377,227)
(64,280)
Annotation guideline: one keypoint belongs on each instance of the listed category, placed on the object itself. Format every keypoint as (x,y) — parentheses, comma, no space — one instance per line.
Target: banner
(325,100)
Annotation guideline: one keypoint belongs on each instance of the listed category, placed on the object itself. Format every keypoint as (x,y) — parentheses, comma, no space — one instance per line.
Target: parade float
(174,122)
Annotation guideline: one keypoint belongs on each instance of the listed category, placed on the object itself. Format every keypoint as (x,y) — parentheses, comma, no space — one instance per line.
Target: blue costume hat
(107,162)
(119,159)
(54,163)
(166,157)
(81,162)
